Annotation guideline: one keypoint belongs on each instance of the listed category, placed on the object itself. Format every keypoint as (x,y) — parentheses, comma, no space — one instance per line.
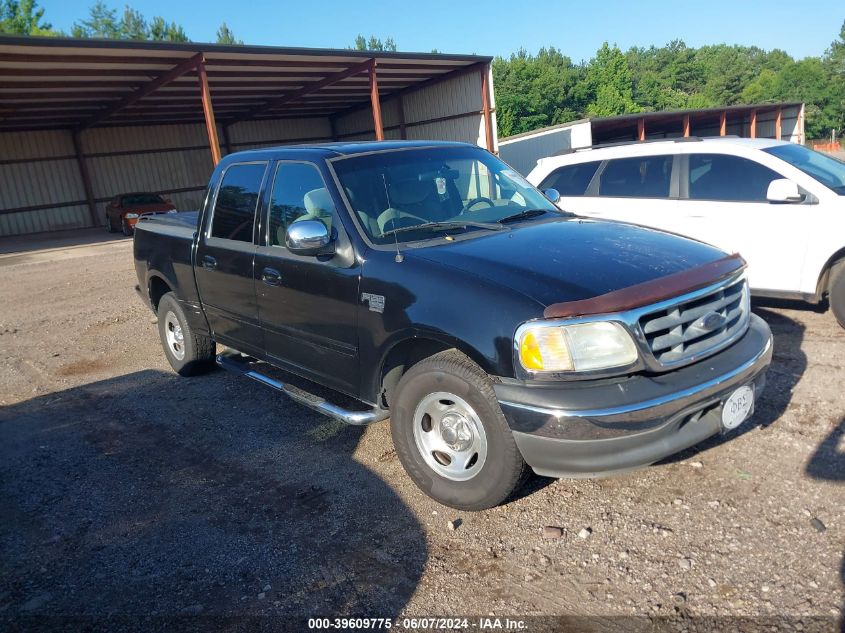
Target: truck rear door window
(572,180)
(638,177)
(234,209)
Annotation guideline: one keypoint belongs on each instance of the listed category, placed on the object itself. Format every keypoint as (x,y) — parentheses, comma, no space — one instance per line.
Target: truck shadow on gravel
(148,495)
(828,464)
(789,363)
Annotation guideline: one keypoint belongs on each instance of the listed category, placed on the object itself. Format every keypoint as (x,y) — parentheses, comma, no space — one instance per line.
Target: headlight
(131,216)
(576,347)
(172,211)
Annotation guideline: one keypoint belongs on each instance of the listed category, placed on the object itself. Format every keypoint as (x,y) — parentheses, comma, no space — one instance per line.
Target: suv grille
(700,326)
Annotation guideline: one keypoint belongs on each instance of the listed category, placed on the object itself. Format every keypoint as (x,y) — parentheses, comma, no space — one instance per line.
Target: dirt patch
(82,367)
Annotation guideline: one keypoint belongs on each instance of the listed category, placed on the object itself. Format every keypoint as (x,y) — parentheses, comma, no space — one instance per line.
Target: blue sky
(496,27)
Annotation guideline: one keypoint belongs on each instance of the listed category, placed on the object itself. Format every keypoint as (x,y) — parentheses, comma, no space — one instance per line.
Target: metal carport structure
(83,120)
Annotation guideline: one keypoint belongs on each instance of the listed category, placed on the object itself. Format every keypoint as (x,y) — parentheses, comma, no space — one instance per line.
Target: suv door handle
(271,277)
(209,263)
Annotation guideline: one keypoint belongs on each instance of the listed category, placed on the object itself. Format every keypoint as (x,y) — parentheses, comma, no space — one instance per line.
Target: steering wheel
(474,201)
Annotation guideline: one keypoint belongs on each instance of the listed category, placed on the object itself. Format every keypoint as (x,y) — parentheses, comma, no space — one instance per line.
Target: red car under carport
(123,211)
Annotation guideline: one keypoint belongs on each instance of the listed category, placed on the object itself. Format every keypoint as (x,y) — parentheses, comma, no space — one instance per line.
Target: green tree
(765,87)
(102,22)
(608,84)
(132,25)
(373,44)
(23,17)
(163,31)
(225,35)
(534,90)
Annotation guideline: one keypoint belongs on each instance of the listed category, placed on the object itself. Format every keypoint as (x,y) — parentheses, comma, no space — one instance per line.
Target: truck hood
(571,259)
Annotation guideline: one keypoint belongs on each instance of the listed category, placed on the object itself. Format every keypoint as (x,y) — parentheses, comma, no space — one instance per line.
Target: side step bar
(237,364)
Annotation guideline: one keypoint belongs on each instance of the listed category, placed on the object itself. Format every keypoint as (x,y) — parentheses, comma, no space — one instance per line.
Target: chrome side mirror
(309,237)
(553,195)
(783,190)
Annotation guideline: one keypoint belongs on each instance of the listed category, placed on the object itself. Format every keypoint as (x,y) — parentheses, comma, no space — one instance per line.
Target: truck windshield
(459,189)
(826,169)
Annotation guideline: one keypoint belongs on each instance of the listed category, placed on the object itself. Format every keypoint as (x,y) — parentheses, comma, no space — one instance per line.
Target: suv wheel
(188,353)
(837,291)
(451,436)
(127,230)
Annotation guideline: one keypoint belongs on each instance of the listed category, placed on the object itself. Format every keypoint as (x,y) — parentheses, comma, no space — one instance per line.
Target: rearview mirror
(309,237)
(553,195)
(783,190)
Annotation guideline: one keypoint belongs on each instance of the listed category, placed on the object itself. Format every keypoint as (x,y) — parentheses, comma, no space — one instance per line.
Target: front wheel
(837,291)
(127,230)
(451,436)
(187,352)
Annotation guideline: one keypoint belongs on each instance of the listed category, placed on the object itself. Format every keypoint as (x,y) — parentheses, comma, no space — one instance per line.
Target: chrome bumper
(594,428)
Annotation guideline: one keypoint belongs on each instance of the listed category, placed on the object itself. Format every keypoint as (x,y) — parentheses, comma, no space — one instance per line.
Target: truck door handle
(209,263)
(271,277)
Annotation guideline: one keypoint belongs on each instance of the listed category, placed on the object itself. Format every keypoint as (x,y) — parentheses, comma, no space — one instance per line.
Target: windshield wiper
(442,226)
(527,213)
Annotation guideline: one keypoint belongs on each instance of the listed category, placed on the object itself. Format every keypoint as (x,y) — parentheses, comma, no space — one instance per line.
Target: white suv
(781,205)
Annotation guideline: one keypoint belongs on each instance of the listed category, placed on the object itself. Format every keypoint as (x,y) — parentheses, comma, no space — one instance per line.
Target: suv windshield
(438,189)
(826,169)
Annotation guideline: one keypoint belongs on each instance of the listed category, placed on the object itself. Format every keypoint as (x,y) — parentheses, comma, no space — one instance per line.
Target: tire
(836,291)
(109,226)
(188,353)
(458,398)
(127,230)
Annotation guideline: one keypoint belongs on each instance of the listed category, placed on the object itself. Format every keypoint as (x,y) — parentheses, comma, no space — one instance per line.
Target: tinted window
(234,211)
(827,170)
(299,193)
(724,177)
(142,198)
(639,177)
(572,180)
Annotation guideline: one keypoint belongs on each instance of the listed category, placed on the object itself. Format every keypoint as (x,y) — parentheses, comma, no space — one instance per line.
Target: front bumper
(588,429)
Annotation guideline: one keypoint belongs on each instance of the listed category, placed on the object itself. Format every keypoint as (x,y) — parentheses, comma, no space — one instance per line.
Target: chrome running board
(238,364)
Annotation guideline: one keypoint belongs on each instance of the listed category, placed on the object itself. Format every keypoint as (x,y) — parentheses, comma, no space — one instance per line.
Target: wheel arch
(823,284)
(157,287)
(407,351)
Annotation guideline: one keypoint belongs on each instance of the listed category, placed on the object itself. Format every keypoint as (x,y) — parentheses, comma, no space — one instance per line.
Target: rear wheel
(187,352)
(451,436)
(109,226)
(837,291)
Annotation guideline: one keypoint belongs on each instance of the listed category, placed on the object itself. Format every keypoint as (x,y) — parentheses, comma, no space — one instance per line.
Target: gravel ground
(128,492)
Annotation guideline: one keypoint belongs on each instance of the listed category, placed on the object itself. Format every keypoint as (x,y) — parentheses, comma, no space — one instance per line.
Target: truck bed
(163,248)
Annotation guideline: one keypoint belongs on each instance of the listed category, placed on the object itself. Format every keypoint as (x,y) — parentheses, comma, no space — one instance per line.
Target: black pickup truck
(429,283)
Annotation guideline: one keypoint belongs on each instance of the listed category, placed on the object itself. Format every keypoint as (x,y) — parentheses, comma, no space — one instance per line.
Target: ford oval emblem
(710,321)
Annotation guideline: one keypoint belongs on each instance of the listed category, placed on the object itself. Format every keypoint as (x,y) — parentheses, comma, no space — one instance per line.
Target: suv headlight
(131,216)
(576,347)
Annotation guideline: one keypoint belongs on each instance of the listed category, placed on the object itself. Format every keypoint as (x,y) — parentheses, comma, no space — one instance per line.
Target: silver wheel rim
(449,436)
(174,335)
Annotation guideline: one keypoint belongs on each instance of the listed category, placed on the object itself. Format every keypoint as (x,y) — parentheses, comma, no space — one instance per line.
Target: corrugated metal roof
(52,83)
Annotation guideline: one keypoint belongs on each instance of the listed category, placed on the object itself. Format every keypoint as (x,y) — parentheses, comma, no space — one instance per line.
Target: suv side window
(299,193)
(572,180)
(234,210)
(637,177)
(728,178)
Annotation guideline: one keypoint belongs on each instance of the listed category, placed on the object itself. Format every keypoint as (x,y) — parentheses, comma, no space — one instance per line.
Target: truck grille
(697,327)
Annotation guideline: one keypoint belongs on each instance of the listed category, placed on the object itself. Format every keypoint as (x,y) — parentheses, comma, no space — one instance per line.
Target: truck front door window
(234,209)
(299,193)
